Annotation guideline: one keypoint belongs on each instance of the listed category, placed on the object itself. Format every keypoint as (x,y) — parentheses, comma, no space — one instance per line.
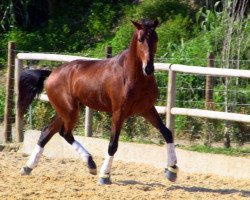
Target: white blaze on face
(144,64)
(145,60)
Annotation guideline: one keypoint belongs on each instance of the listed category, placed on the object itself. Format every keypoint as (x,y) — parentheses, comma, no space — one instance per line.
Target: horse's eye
(140,39)
(141,36)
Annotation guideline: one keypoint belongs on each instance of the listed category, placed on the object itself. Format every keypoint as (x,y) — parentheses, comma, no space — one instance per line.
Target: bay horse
(123,86)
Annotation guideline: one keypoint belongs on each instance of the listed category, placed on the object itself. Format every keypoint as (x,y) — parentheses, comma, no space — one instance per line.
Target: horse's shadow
(209,190)
(192,189)
(133,182)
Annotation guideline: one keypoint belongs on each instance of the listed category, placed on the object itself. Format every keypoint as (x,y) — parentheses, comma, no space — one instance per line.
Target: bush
(162,9)
(42,114)
(100,20)
(2,102)
(89,26)
(122,37)
(172,34)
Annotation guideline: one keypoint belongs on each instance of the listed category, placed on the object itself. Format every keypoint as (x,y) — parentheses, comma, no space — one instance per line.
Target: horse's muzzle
(149,69)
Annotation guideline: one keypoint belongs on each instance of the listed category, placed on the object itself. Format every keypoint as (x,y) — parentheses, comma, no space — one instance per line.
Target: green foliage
(86,27)
(172,34)
(24,40)
(83,25)
(219,150)
(24,14)
(209,19)
(162,9)
(122,37)
(102,124)
(2,102)
(100,19)
(41,115)
(134,128)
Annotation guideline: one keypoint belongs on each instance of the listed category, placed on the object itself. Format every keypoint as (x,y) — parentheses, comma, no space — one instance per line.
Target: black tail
(30,85)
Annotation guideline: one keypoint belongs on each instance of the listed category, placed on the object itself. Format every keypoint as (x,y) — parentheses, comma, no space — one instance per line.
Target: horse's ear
(137,25)
(155,23)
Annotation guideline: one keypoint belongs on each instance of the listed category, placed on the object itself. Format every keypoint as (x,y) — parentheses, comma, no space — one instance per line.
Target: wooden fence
(7,136)
(170,110)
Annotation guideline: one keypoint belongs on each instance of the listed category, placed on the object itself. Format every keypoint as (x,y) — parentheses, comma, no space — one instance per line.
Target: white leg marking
(81,150)
(35,157)
(171,155)
(144,64)
(106,166)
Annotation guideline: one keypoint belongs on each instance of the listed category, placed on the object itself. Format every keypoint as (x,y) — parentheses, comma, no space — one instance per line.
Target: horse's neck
(133,62)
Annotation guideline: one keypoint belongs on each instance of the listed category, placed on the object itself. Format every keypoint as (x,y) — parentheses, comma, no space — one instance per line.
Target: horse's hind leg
(57,125)
(45,136)
(70,117)
(79,148)
(153,117)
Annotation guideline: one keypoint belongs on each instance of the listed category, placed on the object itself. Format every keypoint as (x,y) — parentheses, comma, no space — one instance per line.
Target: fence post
(7,137)
(171,99)
(19,118)
(108,52)
(209,102)
(88,121)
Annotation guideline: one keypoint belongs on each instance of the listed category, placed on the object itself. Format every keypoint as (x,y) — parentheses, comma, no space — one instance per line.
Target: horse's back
(84,81)
(101,85)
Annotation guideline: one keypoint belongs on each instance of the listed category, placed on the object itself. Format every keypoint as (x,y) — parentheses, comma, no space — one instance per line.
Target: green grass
(218,150)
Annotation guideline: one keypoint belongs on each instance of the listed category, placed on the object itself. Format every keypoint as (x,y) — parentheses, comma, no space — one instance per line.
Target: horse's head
(146,44)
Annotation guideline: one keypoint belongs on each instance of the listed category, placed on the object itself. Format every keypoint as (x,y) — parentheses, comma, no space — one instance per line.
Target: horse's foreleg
(153,117)
(113,146)
(45,136)
(107,164)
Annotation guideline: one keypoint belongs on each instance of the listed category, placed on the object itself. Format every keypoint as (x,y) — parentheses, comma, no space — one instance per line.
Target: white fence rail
(211,114)
(170,109)
(204,70)
(51,57)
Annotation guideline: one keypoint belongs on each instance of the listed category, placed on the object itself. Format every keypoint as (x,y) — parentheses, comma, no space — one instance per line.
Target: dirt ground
(69,179)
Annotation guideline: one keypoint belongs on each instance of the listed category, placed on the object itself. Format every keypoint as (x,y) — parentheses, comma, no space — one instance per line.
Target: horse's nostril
(149,69)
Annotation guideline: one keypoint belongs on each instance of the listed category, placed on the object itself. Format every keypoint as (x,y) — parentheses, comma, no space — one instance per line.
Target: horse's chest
(141,99)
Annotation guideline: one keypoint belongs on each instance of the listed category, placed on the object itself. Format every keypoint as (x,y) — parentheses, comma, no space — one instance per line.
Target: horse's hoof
(93,171)
(171,173)
(104,180)
(25,171)
(92,166)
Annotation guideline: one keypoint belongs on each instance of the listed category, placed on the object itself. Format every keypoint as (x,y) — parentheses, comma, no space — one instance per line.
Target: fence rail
(158,66)
(203,70)
(211,114)
(170,110)
(51,57)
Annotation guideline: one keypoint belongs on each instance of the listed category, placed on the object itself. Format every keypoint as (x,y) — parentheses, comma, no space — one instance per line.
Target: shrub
(2,102)
(42,114)
(122,37)
(162,9)
(172,34)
